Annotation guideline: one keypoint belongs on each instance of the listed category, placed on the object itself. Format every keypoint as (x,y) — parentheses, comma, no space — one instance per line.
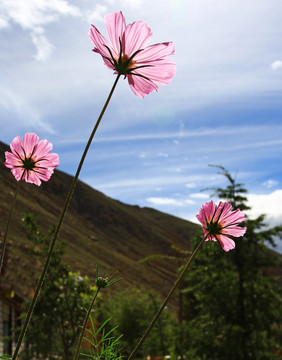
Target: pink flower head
(128,54)
(220,222)
(30,159)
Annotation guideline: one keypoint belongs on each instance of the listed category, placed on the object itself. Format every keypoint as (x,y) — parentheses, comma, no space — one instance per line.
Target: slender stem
(7,227)
(165,301)
(84,326)
(47,263)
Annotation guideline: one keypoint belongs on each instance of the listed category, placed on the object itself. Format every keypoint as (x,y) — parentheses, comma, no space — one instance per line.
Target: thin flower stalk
(84,325)
(7,228)
(101,283)
(219,223)
(180,277)
(60,221)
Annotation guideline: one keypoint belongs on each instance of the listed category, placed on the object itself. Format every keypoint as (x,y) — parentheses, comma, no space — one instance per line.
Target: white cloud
(270,183)
(24,111)
(199,196)
(4,23)
(43,46)
(161,154)
(33,15)
(133,3)
(269,204)
(97,14)
(276,65)
(169,201)
(190,185)
(164,201)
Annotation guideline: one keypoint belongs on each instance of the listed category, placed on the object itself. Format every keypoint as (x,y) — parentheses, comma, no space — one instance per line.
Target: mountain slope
(96,228)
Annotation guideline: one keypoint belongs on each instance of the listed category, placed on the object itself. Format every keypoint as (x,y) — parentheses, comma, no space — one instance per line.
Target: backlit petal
(31,160)
(155,52)
(128,54)
(115,24)
(220,222)
(140,86)
(226,243)
(42,149)
(161,72)
(136,36)
(101,45)
(234,217)
(30,140)
(16,146)
(234,231)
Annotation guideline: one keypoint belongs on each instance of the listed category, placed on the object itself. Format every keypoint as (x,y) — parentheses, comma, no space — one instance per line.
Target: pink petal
(53,160)
(155,52)
(234,231)
(17,172)
(161,72)
(136,36)
(16,146)
(12,160)
(140,86)
(234,217)
(206,212)
(223,208)
(226,243)
(42,149)
(29,142)
(100,42)
(115,24)
(32,177)
(44,174)
(209,238)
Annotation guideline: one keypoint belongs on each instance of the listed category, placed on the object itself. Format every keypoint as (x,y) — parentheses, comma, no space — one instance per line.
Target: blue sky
(224,105)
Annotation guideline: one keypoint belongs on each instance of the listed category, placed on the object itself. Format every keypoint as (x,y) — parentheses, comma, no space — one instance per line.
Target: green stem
(166,301)
(7,227)
(47,263)
(84,326)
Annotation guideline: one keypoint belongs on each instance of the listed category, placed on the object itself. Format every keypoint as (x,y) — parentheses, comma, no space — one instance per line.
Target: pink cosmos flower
(128,54)
(219,223)
(30,159)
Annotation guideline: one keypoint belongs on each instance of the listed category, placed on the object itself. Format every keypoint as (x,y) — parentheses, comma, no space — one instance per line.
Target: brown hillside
(96,228)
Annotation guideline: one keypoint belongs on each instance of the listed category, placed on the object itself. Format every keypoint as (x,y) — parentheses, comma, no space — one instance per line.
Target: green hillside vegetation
(96,228)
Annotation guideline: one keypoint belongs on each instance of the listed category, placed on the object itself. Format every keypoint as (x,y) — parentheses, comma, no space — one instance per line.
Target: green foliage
(133,309)
(5,356)
(102,344)
(233,307)
(60,310)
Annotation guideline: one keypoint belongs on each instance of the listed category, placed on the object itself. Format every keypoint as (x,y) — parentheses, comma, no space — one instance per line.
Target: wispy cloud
(276,65)
(199,196)
(164,201)
(270,183)
(97,14)
(33,15)
(26,114)
(42,44)
(133,3)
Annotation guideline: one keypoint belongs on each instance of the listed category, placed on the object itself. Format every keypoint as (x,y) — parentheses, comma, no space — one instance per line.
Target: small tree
(233,305)
(60,311)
